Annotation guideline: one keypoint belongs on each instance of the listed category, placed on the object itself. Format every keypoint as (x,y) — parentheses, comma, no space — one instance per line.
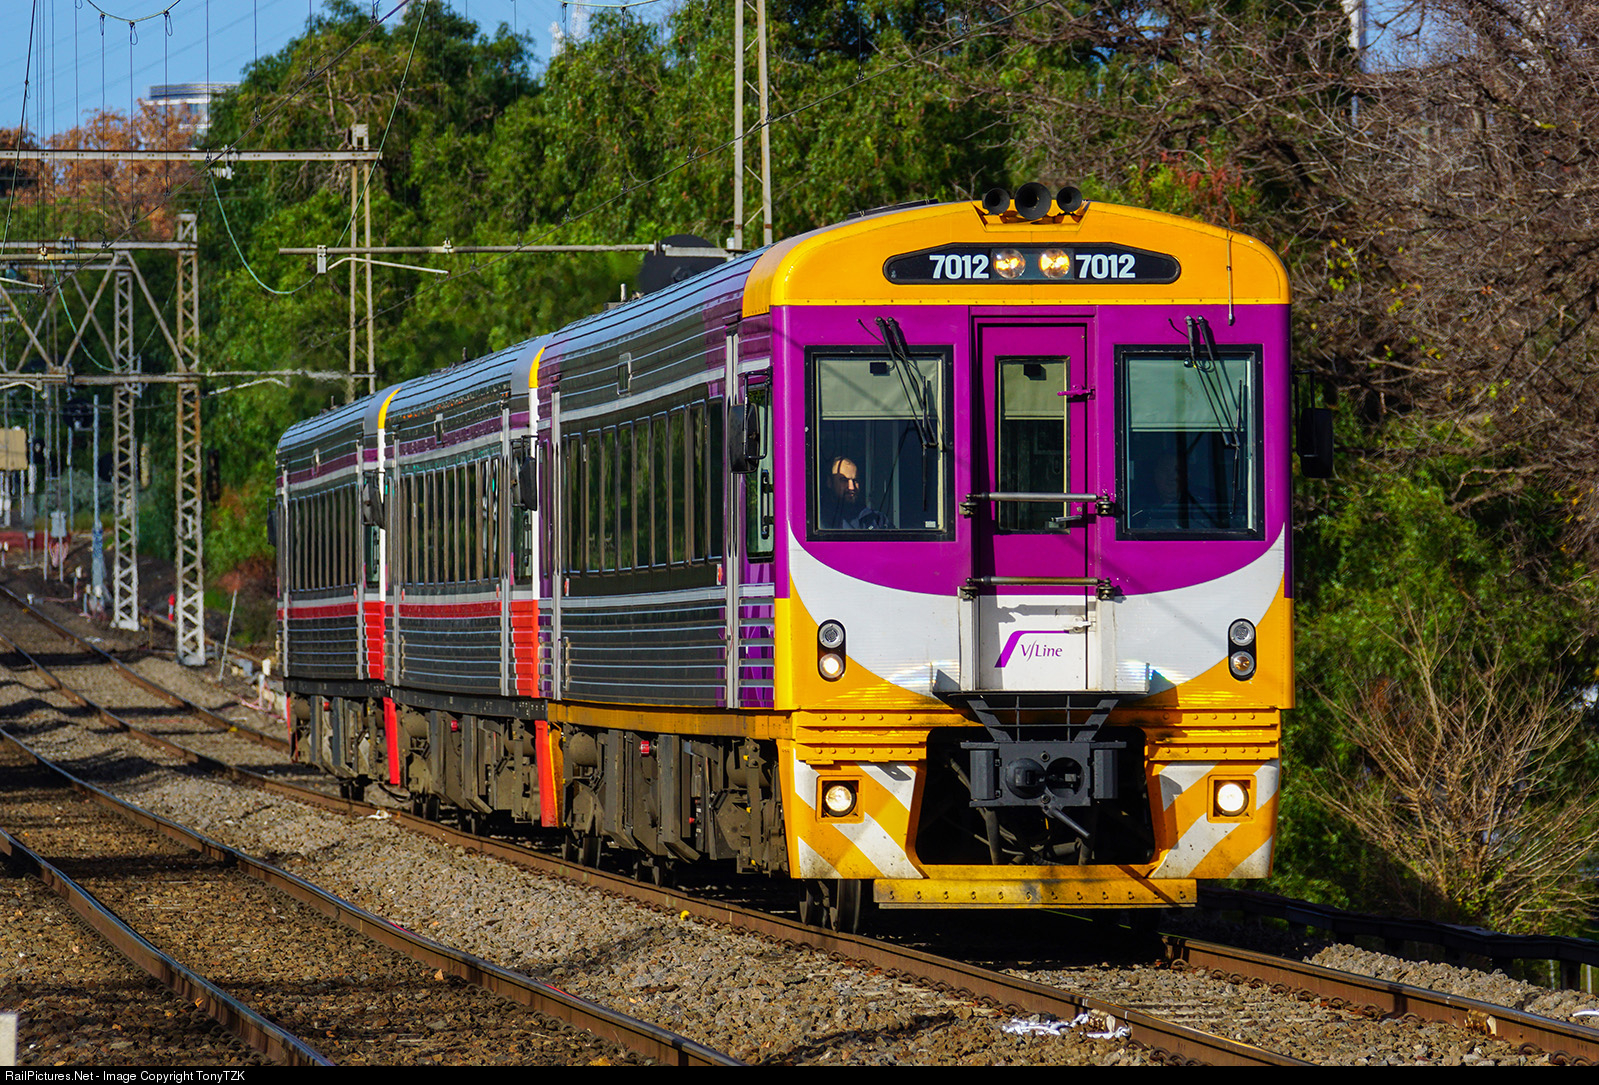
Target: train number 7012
(969,265)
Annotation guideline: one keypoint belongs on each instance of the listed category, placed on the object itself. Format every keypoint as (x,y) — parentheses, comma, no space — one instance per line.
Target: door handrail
(1104,504)
(1103,588)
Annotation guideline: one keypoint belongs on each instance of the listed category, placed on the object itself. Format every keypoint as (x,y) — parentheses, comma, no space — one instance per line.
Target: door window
(1033,438)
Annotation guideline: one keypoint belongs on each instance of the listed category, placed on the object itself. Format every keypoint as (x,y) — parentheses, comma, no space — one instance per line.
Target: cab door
(1030,606)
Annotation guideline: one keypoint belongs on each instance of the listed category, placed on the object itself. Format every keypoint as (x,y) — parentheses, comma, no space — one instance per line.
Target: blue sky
(72,68)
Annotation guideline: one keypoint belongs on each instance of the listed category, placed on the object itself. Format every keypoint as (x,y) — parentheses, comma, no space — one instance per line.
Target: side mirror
(527,479)
(272,527)
(1316,442)
(743,455)
(371,501)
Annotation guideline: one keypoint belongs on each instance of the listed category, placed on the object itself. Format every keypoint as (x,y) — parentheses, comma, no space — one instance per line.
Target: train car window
(317,543)
(409,545)
(430,517)
(594,510)
(1032,439)
(661,439)
(608,534)
(438,541)
(489,522)
(419,533)
(713,456)
(308,523)
(679,503)
(522,519)
(1189,445)
(879,450)
(347,524)
(296,537)
(335,507)
(758,487)
(471,522)
(462,492)
(340,537)
(643,493)
(324,541)
(466,520)
(449,525)
(576,530)
(449,482)
(625,489)
(698,488)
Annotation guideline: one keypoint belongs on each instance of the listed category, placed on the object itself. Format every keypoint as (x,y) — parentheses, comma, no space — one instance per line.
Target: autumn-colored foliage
(123,200)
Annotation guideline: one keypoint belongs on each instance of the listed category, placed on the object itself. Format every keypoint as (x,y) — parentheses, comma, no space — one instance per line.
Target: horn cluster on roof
(1033,201)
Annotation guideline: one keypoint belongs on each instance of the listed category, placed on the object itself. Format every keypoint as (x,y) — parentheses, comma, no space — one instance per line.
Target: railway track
(306,964)
(1297,985)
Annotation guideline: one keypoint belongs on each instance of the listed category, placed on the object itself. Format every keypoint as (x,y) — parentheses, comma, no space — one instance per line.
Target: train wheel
(837,904)
(812,903)
(849,906)
(654,870)
(474,823)
(581,848)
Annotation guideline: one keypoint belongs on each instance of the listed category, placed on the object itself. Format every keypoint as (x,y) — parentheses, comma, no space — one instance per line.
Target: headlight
(839,799)
(831,665)
(1009,263)
(1241,632)
(1242,664)
(830,635)
(1055,263)
(1231,799)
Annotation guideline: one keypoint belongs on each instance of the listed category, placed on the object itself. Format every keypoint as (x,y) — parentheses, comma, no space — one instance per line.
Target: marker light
(1055,263)
(839,799)
(1242,664)
(1241,632)
(1231,799)
(1009,263)
(830,635)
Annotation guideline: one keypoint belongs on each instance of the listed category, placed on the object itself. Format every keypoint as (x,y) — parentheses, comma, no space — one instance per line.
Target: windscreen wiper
(1210,381)
(917,396)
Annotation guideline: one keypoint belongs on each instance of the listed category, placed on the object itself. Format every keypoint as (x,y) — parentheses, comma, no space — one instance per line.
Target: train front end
(1029,497)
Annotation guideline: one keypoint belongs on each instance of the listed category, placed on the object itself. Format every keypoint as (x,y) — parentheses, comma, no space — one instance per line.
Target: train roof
(360,416)
(512,366)
(843,264)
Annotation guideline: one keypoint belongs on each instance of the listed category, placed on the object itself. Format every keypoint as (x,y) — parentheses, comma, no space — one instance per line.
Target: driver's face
(846,482)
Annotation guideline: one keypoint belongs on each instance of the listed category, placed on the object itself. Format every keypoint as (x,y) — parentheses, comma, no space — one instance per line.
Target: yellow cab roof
(843,264)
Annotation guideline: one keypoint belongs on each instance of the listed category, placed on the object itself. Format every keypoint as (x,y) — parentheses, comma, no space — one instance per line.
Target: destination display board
(1097,263)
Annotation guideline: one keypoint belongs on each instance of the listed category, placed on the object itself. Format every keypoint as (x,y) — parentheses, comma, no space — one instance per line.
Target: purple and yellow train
(938,558)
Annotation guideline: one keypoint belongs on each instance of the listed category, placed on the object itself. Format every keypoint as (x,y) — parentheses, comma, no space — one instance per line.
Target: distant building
(194,99)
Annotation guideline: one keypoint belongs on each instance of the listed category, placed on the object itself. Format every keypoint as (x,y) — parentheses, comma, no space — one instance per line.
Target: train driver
(843,507)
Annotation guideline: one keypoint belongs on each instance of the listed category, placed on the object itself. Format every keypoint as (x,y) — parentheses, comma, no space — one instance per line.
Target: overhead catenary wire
(322,65)
(319,67)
